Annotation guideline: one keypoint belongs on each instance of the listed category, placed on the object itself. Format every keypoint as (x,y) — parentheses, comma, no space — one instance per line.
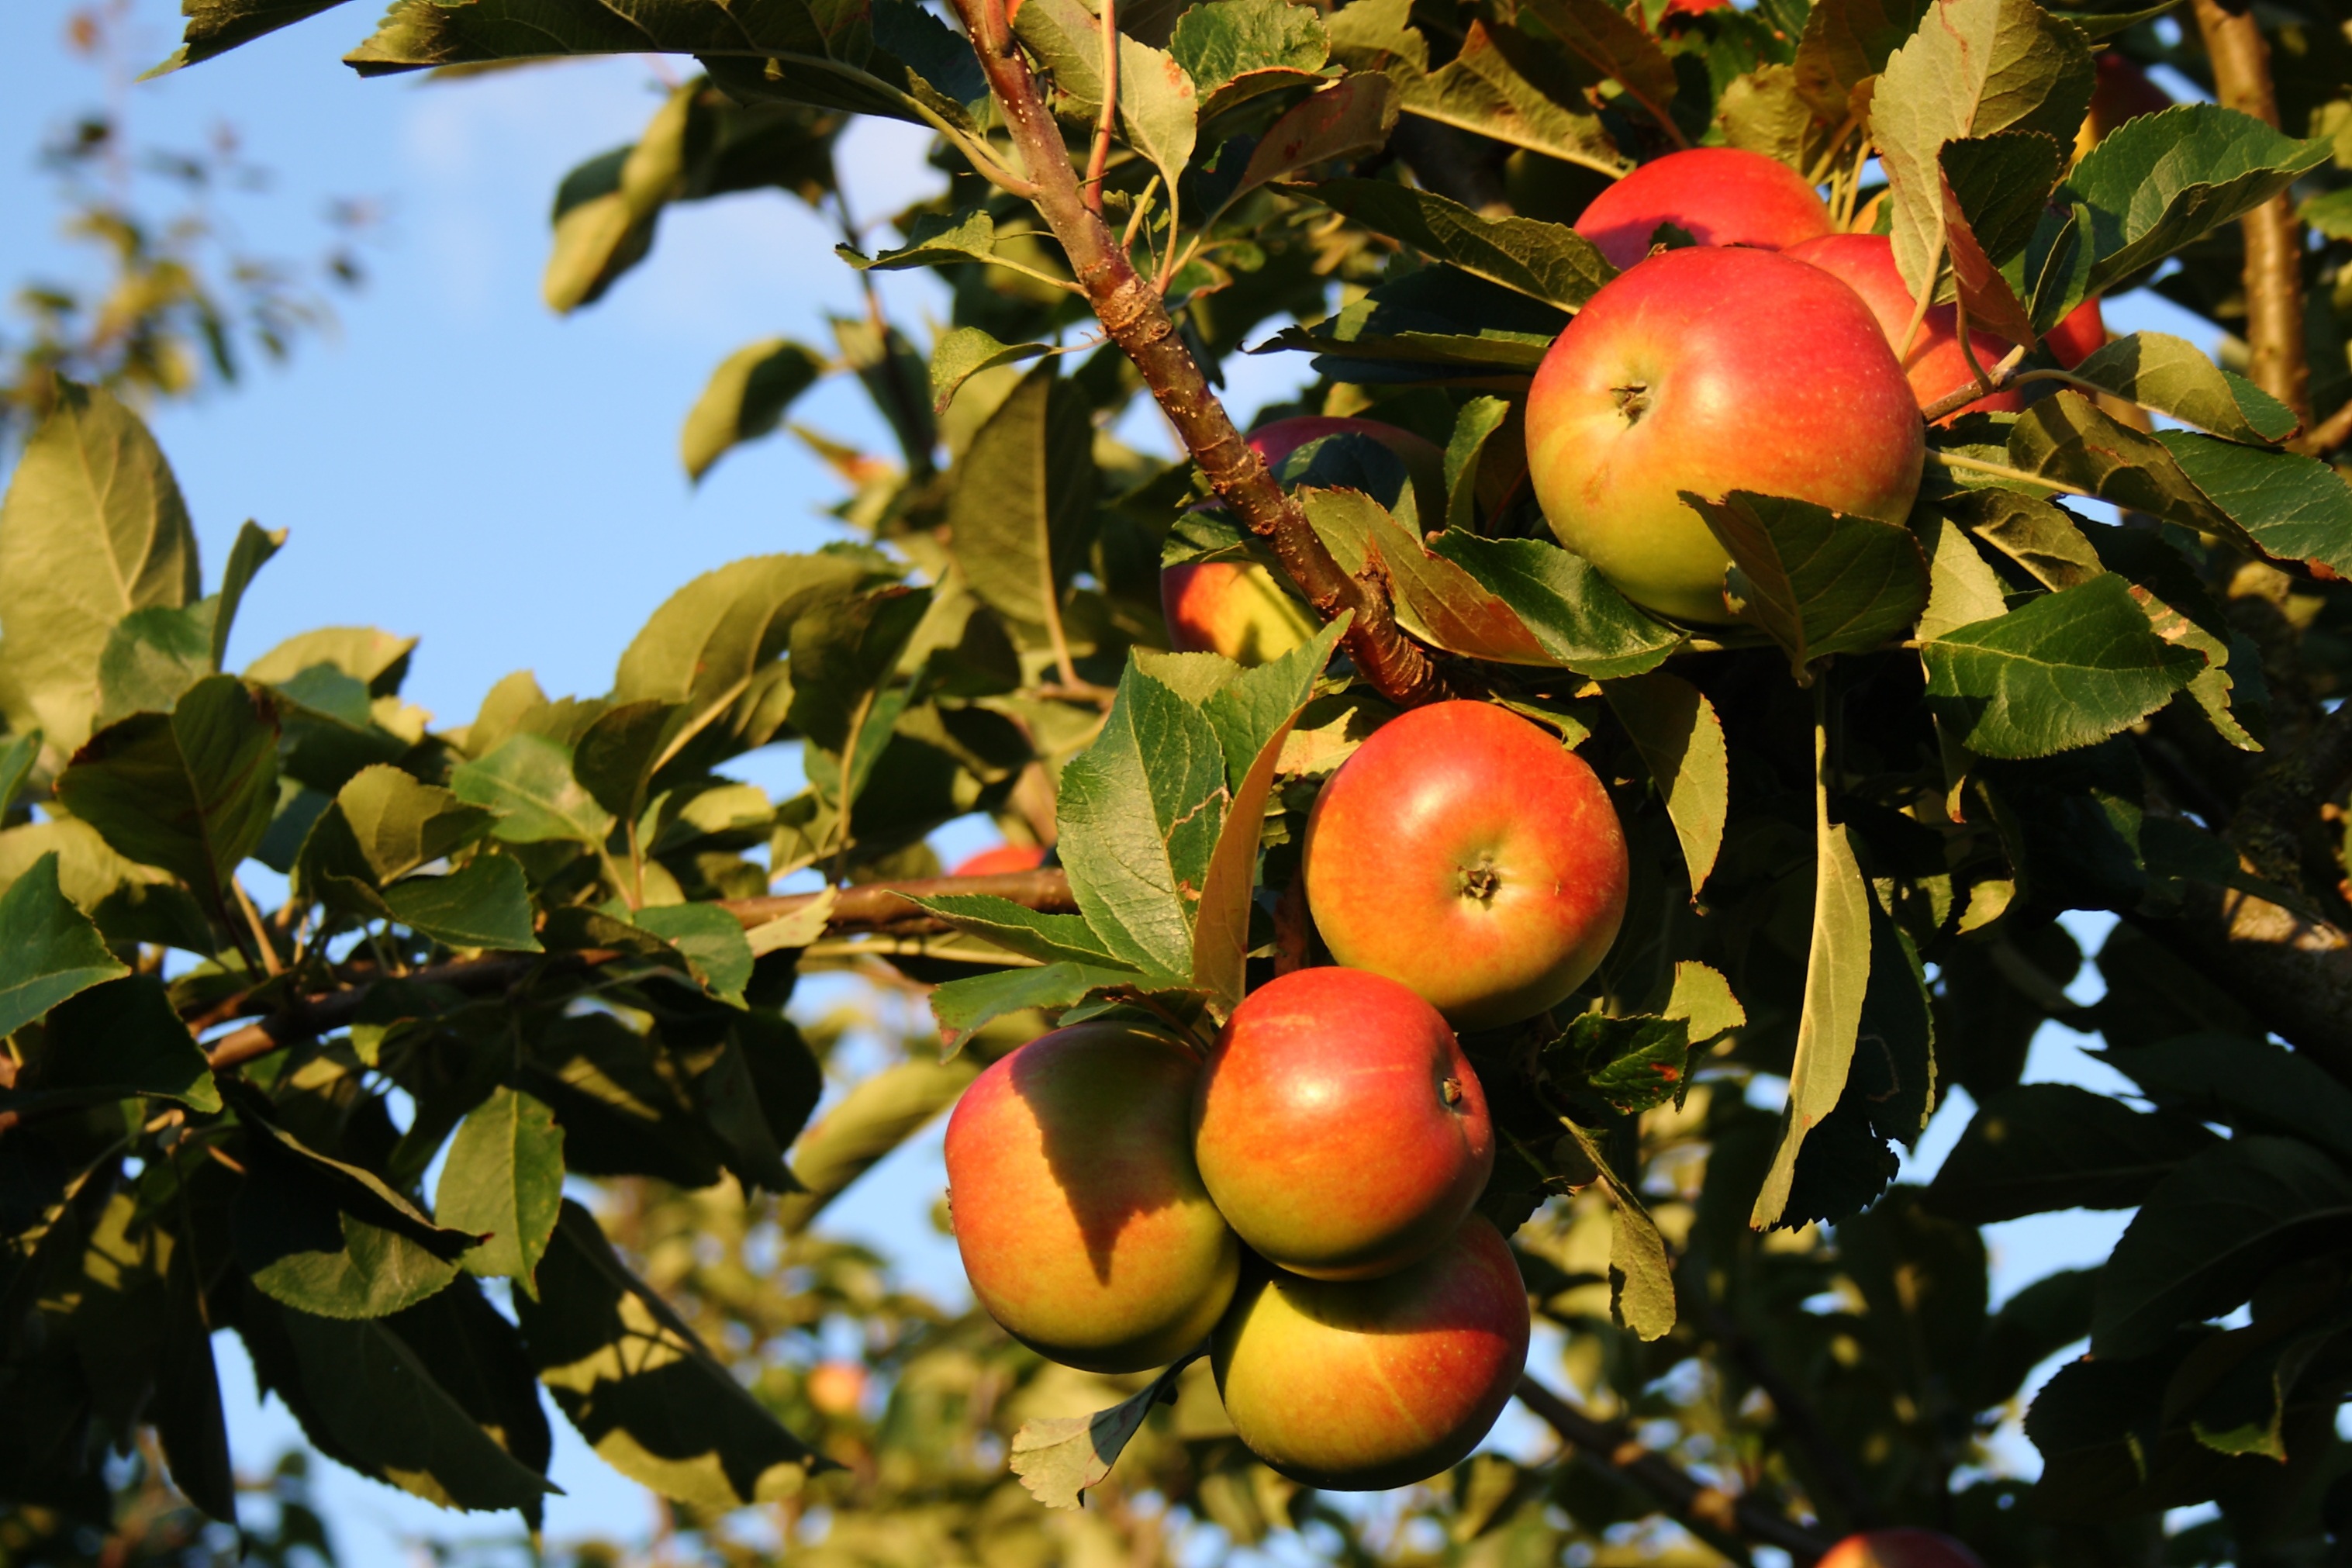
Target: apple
(1232,607)
(1081,1218)
(2079,335)
(835,1387)
(1338,1126)
(1003,859)
(1358,1387)
(2122,92)
(1718,195)
(1468,854)
(1709,370)
(1903,1548)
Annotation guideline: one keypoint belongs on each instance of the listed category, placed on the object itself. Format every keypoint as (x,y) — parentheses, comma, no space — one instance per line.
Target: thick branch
(1136,318)
(1707,1510)
(2273,277)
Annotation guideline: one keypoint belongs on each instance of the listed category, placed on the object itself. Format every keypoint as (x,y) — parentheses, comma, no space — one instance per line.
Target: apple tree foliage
(2100,668)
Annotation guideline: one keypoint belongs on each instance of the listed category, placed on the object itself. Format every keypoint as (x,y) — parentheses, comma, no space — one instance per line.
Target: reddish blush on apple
(1365,1385)
(999,862)
(1338,1126)
(1079,1213)
(1718,195)
(1905,1547)
(1468,854)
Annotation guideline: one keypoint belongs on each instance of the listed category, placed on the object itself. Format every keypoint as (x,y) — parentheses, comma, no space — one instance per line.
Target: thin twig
(1099,159)
(2002,374)
(260,932)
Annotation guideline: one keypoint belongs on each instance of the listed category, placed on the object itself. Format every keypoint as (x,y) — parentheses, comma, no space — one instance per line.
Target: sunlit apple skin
(1865,263)
(999,862)
(1468,854)
(1711,370)
(1338,1126)
(1083,1224)
(1382,1383)
(1718,195)
(1424,461)
(2082,333)
(2124,92)
(1234,608)
(1903,1548)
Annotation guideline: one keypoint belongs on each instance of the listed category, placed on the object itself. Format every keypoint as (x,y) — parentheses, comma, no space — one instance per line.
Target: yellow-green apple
(1081,1218)
(1901,1548)
(1232,607)
(1718,195)
(1362,1386)
(1003,859)
(1468,854)
(1709,370)
(1338,1126)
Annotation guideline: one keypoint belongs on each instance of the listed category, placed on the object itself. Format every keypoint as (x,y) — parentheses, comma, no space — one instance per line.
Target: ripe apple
(1709,369)
(1338,1126)
(2122,92)
(1003,859)
(2082,333)
(1358,1387)
(1903,1548)
(1470,855)
(1718,195)
(1232,607)
(1081,1218)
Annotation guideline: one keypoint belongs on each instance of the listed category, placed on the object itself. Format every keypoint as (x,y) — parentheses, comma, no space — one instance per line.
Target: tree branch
(1707,1510)
(2273,276)
(1136,318)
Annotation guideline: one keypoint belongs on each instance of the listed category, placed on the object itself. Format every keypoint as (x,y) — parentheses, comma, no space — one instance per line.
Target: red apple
(1081,1218)
(1903,1547)
(1469,855)
(1934,366)
(1004,858)
(1234,608)
(1338,1126)
(1718,195)
(1424,463)
(1381,1382)
(2080,335)
(1711,370)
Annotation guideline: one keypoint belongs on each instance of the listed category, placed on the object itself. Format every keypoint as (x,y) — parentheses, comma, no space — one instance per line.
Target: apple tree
(2095,664)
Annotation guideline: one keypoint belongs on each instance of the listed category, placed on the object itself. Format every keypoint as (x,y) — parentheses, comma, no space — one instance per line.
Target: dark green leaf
(964,1006)
(1615,46)
(1633,1064)
(152,656)
(485,903)
(1345,120)
(1545,261)
(217,26)
(1436,600)
(116,1040)
(2156,183)
(1049,939)
(711,942)
(2045,1146)
(419,33)
(1837,979)
(745,399)
(1504,84)
(2172,377)
(1022,504)
(49,948)
(2251,1084)
(1816,581)
(1680,739)
(2292,507)
(1581,622)
(527,783)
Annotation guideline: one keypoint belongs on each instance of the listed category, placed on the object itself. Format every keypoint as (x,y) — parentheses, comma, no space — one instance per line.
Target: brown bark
(1136,317)
(2273,276)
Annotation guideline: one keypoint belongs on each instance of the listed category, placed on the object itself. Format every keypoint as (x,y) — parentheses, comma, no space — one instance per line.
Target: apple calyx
(1632,400)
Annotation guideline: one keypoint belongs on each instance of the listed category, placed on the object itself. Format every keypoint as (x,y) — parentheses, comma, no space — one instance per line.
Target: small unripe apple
(835,1387)
(1232,607)
(2122,92)
(1358,1387)
(1718,195)
(1711,370)
(1902,1548)
(1081,1218)
(1003,859)
(1469,855)
(1338,1126)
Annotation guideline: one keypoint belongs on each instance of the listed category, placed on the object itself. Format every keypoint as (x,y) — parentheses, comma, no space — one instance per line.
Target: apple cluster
(1301,1196)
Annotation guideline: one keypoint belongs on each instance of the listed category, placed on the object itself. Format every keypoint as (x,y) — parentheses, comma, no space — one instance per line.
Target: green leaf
(1994,189)
(1474,427)
(1846,42)
(2042,539)
(1676,730)
(1436,600)
(49,948)
(503,1179)
(963,1007)
(616,756)
(1059,1458)
(528,785)
(217,26)
(1546,261)
(1961,588)
(745,399)
(1505,85)
(1608,41)
(2044,1146)
(18,753)
(1975,67)
(1048,938)
(2248,1084)
(92,529)
(396,824)
(2292,507)
(963,352)
(711,642)
(2158,182)
(251,552)
(1346,119)
(1582,623)
(842,654)
(1141,810)
(111,1042)
(2208,1235)
(640,1387)
(1634,1064)
(1158,109)
(1221,40)
(937,239)
(2062,672)
(2172,377)
(485,903)
(420,33)
(1817,581)
(1020,510)
(1837,977)
(711,939)
(191,792)
(1641,1275)
(152,656)
(876,1116)
(606,209)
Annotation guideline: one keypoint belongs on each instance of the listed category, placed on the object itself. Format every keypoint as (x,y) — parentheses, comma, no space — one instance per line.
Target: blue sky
(456,463)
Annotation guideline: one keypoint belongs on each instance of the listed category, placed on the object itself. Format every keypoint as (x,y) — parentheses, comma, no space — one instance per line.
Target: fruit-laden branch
(871,906)
(1707,1511)
(1136,318)
(2273,276)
